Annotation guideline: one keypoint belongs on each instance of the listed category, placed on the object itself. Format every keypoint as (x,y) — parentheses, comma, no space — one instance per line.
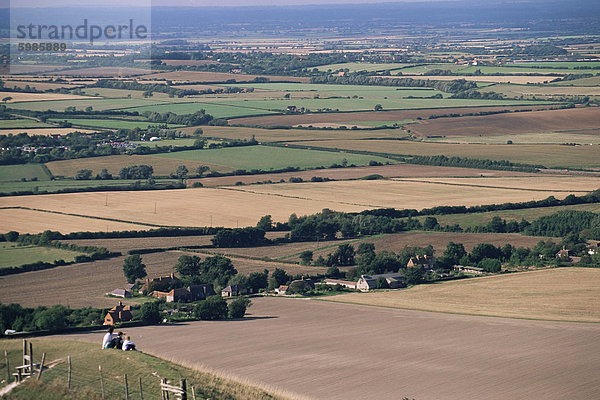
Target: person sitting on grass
(128,344)
(109,339)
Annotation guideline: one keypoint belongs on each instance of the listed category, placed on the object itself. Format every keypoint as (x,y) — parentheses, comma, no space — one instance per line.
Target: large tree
(133,268)
(188,265)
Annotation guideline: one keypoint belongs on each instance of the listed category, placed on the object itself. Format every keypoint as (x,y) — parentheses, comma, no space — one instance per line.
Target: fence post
(31,359)
(8,377)
(141,391)
(184,388)
(101,380)
(126,388)
(69,376)
(193,393)
(24,351)
(41,366)
(162,392)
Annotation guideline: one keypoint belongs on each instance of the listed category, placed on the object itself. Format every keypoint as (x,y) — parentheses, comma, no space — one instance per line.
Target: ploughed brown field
(85,284)
(574,120)
(387,171)
(332,351)
(199,76)
(397,115)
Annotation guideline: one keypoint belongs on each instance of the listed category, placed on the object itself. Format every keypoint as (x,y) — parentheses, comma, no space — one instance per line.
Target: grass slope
(85,377)
(12,254)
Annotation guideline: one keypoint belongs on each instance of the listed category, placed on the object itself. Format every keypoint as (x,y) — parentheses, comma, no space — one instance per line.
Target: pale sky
(195,3)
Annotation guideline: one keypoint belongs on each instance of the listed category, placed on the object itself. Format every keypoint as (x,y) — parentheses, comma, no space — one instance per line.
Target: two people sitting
(113,340)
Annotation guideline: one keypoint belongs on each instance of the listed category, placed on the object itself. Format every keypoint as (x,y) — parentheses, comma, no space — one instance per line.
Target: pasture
(339,351)
(23,171)
(44,131)
(210,77)
(511,90)
(359,66)
(22,97)
(549,155)
(265,158)
(60,184)
(518,79)
(108,123)
(13,255)
(563,294)
(20,124)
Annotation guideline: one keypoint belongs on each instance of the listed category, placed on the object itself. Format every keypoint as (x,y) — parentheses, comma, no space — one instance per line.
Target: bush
(237,308)
(149,313)
(214,307)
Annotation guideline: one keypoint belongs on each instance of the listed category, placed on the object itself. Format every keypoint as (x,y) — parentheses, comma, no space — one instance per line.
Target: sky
(195,3)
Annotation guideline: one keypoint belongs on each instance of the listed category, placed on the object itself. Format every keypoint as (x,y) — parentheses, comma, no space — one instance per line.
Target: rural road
(332,351)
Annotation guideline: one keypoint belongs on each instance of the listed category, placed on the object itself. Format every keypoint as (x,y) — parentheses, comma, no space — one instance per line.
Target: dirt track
(334,351)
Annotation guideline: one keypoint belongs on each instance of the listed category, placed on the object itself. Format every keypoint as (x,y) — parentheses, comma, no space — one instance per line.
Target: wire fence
(110,382)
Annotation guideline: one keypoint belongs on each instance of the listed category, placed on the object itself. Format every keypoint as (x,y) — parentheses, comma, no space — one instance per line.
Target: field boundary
(487,186)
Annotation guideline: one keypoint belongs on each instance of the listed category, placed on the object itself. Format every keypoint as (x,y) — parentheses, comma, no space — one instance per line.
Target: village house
(424,262)
(334,282)
(592,248)
(179,294)
(468,270)
(200,292)
(233,290)
(121,293)
(282,289)
(118,313)
(369,282)
(160,283)
(562,253)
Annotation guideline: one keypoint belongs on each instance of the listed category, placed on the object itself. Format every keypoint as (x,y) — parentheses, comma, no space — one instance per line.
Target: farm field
(13,255)
(85,284)
(467,220)
(535,90)
(97,103)
(37,85)
(30,221)
(358,66)
(264,157)
(549,155)
(586,137)
(162,166)
(44,131)
(199,76)
(386,171)
(223,109)
(415,194)
(101,72)
(61,184)
(189,207)
(564,294)
(591,81)
(531,183)
(27,171)
(21,97)
(21,123)
(578,120)
(391,242)
(111,123)
(518,79)
(123,245)
(395,353)
(396,115)
(487,70)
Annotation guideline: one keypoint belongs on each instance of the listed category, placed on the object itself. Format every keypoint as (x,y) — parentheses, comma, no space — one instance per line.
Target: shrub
(214,307)
(237,308)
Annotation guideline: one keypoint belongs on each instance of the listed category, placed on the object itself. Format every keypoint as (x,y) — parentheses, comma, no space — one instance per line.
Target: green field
(265,157)
(358,66)
(13,255)
(96,104)
(549,155)
(21,123)
(593,81)
(60,184)
(508,69)
(111,123)
(220,110)
(13,173)
(121,93)
(561,64)
(530,214)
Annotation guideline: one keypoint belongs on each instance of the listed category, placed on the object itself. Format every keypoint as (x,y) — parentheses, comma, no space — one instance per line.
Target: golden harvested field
(29,221)
(563,294)
(189,207)
(199,76)
(387,171)
(549,155)
(125,244)
(333,351)
(584,137)
(517,90)
(103,71)
(162,166)
(418,195)
(38,85)
(569,120)
(398,115)
(533,183)
(85,284)
(22,97)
